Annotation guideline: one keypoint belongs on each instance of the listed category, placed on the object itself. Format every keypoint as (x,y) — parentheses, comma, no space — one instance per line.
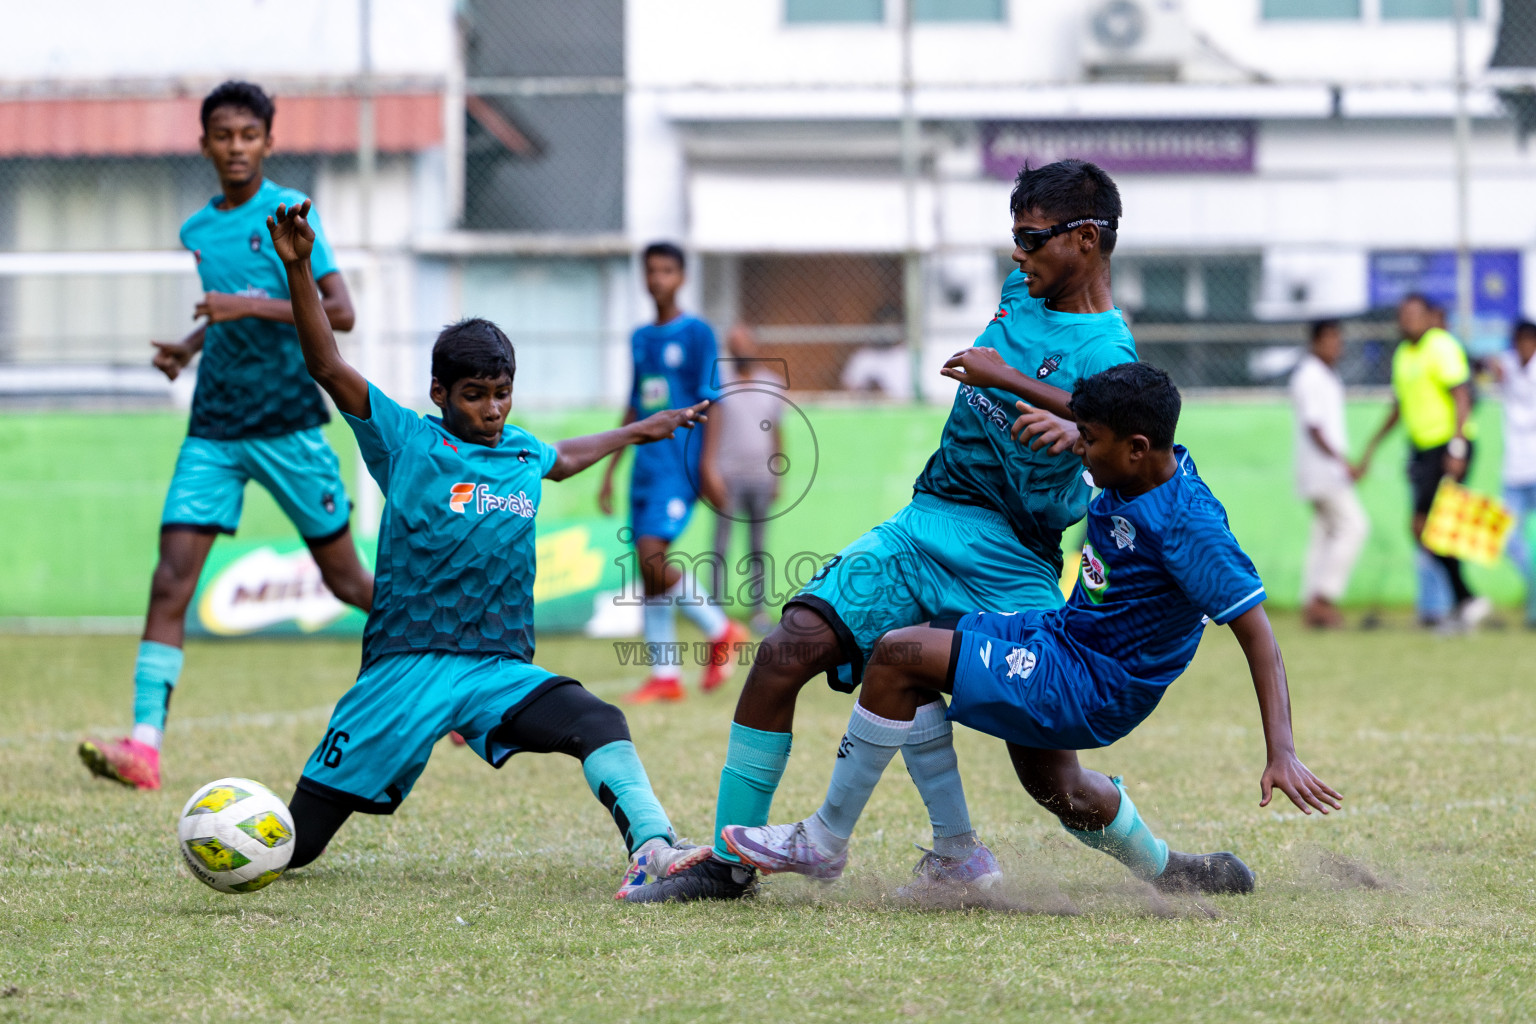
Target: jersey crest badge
(255,241)
(1095,574)
(1049,365)
(1123,532)
(672,355)
(1021,662)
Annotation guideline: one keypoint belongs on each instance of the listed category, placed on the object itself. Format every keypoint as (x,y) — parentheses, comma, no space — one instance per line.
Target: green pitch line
(80,496)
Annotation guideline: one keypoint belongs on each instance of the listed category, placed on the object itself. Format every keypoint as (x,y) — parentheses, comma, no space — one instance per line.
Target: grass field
(488,895)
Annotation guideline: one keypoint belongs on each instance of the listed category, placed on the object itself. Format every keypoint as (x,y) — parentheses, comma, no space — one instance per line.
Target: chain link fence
(529,196)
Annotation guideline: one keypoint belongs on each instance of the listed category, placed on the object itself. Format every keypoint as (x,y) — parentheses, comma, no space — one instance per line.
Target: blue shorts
(383,729)
(934,558)
(1018,678)
(661,508)
(299,470)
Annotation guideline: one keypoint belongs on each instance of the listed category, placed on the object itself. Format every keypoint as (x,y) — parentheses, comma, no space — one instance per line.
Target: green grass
(488,895)
(80,496)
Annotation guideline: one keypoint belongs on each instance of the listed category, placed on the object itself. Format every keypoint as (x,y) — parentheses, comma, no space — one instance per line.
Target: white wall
(106,39)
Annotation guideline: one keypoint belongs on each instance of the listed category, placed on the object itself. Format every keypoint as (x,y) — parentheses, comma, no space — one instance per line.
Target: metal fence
(525,209)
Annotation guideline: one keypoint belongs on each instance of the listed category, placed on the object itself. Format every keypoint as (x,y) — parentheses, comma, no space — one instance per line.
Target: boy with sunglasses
(983,531)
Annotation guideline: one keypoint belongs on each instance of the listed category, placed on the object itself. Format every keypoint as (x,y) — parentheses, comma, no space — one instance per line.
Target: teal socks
(618,779)
(930,756)
(1129,840)
(867,747)
(154,678)
(754,763)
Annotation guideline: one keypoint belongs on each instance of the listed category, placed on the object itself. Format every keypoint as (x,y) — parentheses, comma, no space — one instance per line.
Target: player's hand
(1454,468)
(978,367)
(220,307)
(170,358)
(292,237)
(1287,774)
(605,495)
(1038,428)
(1356,470)
(664,425)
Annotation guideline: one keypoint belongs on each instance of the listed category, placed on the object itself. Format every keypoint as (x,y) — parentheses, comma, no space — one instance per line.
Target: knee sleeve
(565,720)
(315,821)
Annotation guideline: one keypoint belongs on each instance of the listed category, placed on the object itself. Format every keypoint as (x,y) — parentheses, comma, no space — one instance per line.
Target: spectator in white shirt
(1325,478)
(1515,371)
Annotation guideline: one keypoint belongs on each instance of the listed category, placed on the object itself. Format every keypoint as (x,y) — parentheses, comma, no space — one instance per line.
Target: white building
(1279,160)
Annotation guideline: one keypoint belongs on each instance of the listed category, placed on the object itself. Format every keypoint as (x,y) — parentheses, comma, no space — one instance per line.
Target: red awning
(42,128)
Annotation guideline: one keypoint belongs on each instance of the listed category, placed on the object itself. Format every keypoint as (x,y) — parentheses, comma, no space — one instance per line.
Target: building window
(1426,8)
(801,11)
(958,10)
(1283,9)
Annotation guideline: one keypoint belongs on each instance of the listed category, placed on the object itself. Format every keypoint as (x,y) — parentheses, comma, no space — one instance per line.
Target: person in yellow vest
(1432,396)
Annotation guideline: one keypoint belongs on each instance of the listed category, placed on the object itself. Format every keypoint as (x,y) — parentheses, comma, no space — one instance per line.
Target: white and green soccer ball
(236,835)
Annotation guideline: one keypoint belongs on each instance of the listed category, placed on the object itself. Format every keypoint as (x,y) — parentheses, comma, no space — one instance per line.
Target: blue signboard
(1495,289)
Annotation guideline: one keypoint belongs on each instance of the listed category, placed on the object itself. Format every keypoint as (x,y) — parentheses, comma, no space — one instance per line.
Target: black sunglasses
(1030,239)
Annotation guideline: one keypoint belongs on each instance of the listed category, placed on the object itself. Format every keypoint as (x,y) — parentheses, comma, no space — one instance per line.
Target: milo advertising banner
(273,588)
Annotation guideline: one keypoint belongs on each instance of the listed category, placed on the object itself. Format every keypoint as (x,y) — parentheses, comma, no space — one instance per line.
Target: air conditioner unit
(1135,40)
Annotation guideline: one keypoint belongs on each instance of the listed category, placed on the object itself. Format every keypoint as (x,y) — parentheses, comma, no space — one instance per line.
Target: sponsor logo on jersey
(1123,532)
(518,504)
(990,411)
(523,454)
(1001,314)
(985,653)
(1095,574)
(255,241)
(328,502)
(1021,662)
(1048,365)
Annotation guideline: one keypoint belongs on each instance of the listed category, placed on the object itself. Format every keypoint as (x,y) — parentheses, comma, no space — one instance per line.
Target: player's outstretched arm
(293,239)
(1284,771)
(171,357)
(577,453)
(984,368)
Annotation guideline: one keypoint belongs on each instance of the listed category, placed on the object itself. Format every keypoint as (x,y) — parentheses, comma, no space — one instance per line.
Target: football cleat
(1213,873)
(721,656)
(649,865)
(656,689)
(710,878)
(126,760)
(940,874)
(771,848)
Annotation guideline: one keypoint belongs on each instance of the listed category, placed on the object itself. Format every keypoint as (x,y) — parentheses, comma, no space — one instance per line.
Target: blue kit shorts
(934,558)
(1017,677)
(661,508)
(299,470)
(383,729)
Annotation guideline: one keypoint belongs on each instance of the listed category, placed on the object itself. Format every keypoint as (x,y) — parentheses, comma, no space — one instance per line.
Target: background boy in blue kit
(256,415)
(1159,562)
(674,362)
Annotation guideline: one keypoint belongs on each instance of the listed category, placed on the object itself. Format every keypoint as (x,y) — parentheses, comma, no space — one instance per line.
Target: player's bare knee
(172,584)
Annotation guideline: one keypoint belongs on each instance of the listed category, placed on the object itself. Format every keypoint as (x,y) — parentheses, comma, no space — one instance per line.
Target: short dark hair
(1327,323)
(667,249)
(473,348)
(1131,398)
(246,96)
(1523,327)
(1068,190)
(1422,299)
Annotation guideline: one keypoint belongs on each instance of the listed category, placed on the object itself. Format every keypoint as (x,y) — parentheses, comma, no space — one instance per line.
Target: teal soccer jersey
(251,381)
(455,565)
(979,463)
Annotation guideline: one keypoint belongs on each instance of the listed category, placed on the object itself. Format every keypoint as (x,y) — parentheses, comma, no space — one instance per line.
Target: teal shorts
(299,470)
(932,559)
(383,729)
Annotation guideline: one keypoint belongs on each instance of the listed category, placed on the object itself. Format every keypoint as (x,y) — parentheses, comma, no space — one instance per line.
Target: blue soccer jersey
(674,363)
(1154,568)
(979,463)
(456,558)
(251,381)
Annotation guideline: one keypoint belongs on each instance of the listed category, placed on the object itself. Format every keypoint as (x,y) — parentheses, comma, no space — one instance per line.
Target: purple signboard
(1135,147)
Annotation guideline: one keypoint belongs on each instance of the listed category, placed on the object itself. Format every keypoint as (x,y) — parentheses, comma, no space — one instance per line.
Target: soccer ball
(236,835)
